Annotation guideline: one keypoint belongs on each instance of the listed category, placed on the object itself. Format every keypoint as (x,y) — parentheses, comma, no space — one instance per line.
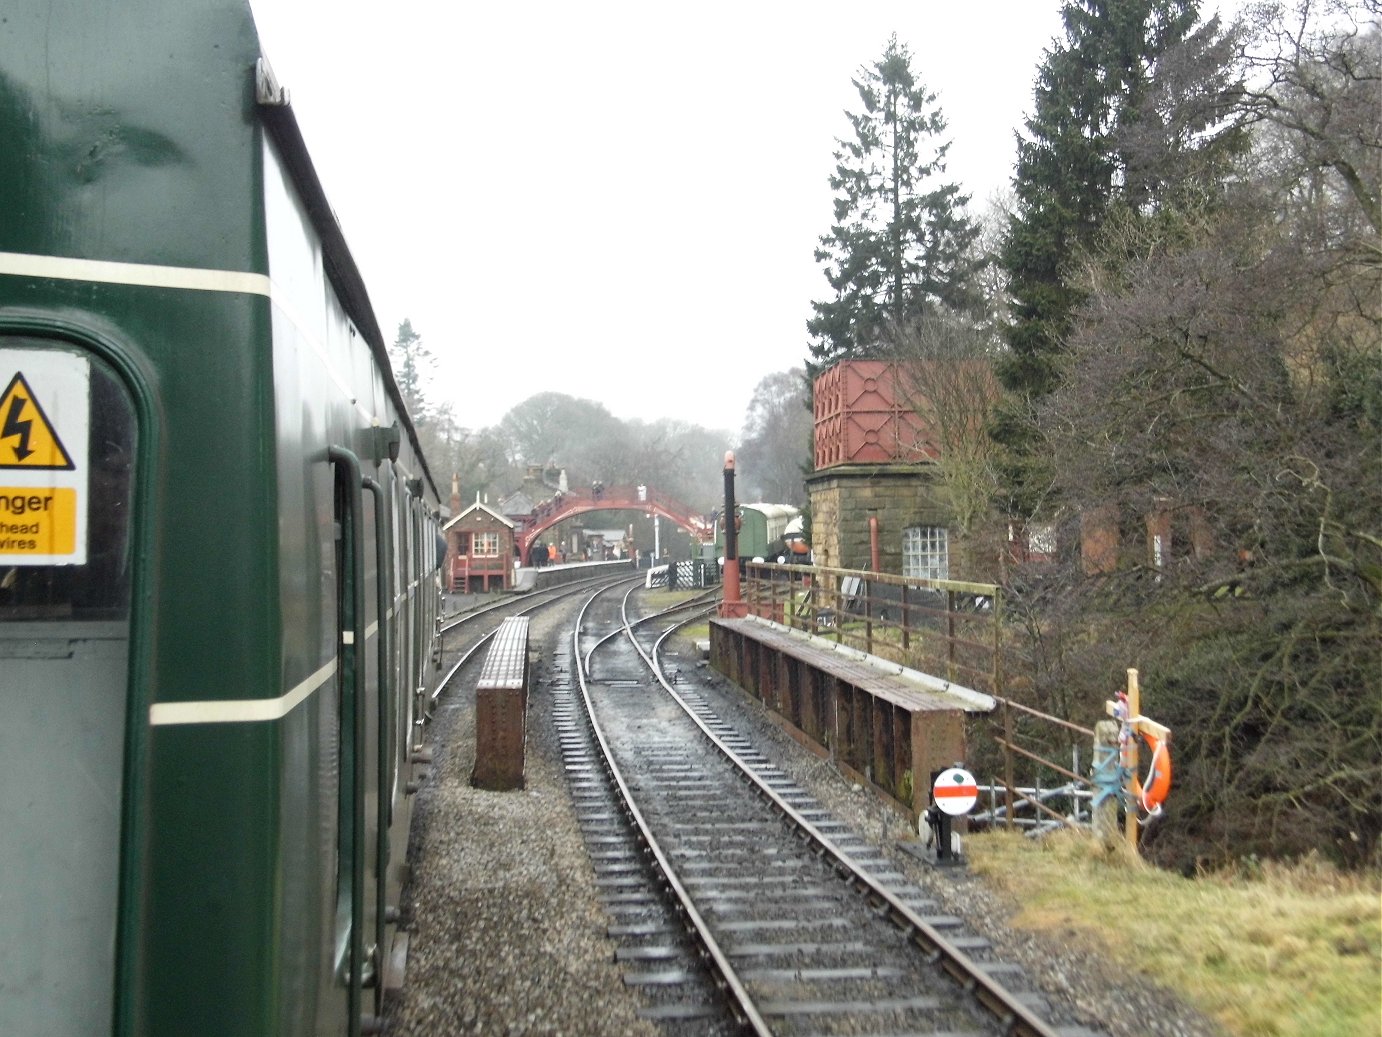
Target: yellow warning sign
(27,438)
(38,522)
(45,433)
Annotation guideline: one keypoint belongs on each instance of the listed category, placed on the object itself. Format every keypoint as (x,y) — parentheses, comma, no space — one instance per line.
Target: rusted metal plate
(499,730)
(873,725)
(864,414)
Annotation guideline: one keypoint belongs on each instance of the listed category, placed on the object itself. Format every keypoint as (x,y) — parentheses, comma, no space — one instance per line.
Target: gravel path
(507,934)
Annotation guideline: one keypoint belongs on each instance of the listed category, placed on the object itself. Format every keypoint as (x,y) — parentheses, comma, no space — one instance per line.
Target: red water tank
(864,414)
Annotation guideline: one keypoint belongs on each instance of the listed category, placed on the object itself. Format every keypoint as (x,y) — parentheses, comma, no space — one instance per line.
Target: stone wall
(843,498)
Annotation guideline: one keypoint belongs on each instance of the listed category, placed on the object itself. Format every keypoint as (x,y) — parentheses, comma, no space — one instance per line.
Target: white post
(1131,759)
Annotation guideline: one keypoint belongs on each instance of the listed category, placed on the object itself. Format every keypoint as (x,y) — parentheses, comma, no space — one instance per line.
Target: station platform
(529,578)
(883,725)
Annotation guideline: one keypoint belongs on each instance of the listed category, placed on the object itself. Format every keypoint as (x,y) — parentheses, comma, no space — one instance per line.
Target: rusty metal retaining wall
(879,728)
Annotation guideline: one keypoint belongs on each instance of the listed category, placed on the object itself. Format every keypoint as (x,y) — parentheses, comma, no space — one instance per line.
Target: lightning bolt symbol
(15,427)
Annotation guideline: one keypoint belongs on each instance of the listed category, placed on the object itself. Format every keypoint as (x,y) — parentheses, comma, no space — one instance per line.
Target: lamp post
(732,605)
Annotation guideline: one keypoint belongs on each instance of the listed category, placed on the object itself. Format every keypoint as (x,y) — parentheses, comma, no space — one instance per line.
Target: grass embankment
(1272,951)
(697,631)
(656,600)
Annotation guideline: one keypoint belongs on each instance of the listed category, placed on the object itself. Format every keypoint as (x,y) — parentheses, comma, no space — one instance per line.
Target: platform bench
(501,705)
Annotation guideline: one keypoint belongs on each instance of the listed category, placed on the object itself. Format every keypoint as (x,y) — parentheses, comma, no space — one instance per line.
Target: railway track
(738,904)
(484,620)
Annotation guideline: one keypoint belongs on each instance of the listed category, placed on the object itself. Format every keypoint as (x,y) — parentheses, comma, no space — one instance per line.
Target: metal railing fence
(1026,745)
(947,628)
(954,630)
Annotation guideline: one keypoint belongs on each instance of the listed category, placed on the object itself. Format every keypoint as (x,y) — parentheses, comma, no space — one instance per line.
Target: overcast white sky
(618,200)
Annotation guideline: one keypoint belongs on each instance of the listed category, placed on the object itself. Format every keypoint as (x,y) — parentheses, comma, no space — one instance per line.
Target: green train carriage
(215,623)
(762,531)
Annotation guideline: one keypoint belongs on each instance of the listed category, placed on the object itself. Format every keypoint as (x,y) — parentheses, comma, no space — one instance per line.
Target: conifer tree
(1090,91)
(901,245)
(413,365)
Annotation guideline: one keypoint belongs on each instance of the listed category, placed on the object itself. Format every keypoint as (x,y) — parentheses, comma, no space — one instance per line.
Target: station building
(479,550)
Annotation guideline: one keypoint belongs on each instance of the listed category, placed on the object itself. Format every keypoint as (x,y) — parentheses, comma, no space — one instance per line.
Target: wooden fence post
(950,635)
(1131,761)
(1105,815)
(1008,779)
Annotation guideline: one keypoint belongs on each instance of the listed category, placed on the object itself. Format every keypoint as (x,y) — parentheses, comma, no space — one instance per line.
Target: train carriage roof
(785,512)
(144,117)
(280,120)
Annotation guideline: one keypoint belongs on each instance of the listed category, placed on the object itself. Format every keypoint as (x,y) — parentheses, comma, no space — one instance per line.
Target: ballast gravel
(507,936)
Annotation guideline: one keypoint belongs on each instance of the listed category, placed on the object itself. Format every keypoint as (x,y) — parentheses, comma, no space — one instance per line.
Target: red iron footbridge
(568,503)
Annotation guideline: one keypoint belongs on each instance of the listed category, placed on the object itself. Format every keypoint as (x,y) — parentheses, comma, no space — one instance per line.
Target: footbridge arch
(567,504)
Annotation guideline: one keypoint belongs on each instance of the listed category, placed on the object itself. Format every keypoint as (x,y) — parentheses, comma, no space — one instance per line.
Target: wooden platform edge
(968,699)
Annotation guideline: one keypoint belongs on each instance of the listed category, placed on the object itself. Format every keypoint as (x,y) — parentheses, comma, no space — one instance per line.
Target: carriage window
(50,570)
(67,440)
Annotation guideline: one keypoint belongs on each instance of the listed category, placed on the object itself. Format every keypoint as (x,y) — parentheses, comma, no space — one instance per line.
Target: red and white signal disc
(955,791)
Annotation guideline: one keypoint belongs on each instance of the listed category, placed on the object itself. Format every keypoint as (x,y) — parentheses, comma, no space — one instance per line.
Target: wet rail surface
(737,903)
(467,631)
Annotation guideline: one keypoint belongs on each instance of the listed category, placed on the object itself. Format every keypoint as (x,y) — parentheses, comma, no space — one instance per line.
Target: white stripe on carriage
(147,275)
(67,268)
(239,711)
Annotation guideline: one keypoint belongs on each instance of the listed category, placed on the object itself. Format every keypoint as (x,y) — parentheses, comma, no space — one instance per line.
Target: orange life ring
(1158,775)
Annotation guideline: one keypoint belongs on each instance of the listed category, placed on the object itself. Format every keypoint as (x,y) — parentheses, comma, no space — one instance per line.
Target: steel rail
(1015,1018)
(742,1001)
(1045,809)
(1007,703)
(682,606)
(455,619)
(558,593)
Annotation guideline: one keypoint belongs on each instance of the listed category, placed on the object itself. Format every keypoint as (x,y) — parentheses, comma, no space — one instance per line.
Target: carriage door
(350,756)
(67,443)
